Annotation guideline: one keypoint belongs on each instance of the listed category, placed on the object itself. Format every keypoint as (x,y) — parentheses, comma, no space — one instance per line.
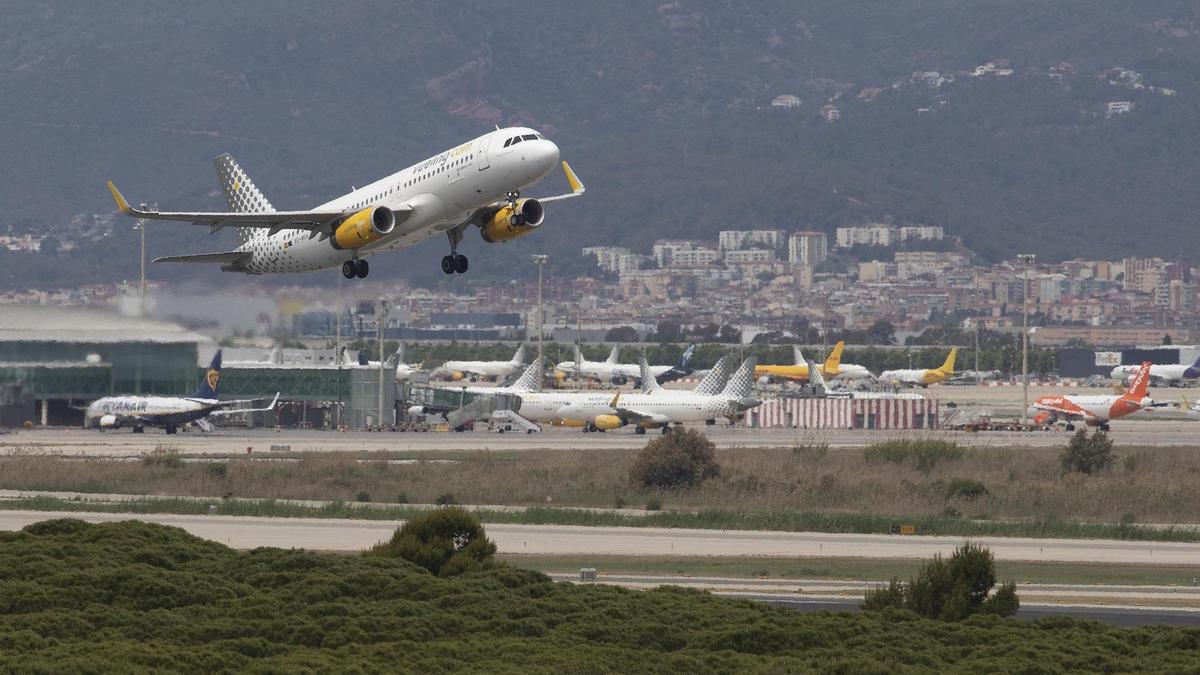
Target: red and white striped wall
(844,413)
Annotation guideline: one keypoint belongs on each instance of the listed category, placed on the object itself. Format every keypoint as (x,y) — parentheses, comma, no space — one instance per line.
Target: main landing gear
(455,262)
(355,268)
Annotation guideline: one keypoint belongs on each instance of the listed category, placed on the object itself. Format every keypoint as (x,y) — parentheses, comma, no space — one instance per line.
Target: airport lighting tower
(1026,260)
(140,226)
(381,324)
(540,259)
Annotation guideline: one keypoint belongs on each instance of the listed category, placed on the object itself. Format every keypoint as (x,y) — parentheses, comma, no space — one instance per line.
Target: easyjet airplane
(1095,410)
(477,184)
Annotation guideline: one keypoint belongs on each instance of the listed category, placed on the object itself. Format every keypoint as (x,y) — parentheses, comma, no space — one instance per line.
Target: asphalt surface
(1159,432)
(355,535)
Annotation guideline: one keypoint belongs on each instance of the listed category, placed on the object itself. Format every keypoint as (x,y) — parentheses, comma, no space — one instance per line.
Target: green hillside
(664,110)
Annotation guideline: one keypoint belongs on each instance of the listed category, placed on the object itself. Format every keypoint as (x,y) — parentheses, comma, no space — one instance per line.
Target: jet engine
(371,224)
(605,422)
(508,223)
(107,421)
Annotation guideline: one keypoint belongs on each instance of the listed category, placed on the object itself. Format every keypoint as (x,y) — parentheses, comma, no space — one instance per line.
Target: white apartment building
(875,234)
(733,240)
(922,232)
(808,248)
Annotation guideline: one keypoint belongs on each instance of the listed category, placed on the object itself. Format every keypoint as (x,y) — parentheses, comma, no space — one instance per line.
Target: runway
(355,535)
(123,443)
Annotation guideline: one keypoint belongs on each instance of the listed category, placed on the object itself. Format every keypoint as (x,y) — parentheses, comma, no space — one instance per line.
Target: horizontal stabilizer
(226,257)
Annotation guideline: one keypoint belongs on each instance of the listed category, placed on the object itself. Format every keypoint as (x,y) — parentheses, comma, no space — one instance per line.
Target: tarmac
(1157,432)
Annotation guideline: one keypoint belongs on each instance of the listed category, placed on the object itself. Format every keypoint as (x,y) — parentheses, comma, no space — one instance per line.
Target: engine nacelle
(507,224)
(608,422)
(371,224)
(107,421)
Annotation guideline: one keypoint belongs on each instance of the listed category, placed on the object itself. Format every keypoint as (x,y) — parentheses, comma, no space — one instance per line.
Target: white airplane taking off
(168,412)
(471,369)
(477,183)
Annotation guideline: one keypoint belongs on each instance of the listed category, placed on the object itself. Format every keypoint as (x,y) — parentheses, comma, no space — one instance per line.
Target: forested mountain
(664,110)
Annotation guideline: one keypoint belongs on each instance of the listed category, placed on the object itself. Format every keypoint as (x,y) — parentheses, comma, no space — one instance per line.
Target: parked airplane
(477,183)
(1164,374)
(658,409)
(833,368)
(473,370)
(168,412)
(1095,410)
(405,371)
(611,371)
(921,376)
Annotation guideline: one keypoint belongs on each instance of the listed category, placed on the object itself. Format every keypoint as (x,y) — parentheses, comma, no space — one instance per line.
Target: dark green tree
(682,458)
(950,589)
(446,541)
(1088,454)
(622,334)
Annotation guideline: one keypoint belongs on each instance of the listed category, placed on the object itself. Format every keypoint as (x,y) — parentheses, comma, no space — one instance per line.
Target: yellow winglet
(572,179)
(119,198)
(613,403)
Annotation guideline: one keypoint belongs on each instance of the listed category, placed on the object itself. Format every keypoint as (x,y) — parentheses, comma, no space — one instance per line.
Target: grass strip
(711,520)
(869,569)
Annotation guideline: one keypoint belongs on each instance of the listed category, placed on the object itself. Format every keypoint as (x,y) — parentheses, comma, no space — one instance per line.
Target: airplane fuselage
(147,410)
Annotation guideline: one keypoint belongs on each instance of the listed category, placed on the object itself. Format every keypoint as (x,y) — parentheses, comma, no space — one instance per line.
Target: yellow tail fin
(948,366)
(834,362)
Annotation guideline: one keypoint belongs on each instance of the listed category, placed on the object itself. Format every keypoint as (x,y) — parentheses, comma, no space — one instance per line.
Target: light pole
(141,228)
(381,324)
(1026,260)
(540,259)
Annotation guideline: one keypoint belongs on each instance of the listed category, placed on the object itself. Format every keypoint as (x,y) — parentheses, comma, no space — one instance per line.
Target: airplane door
(482,161)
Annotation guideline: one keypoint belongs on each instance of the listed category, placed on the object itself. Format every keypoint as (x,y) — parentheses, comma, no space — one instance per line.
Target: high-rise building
(808,248)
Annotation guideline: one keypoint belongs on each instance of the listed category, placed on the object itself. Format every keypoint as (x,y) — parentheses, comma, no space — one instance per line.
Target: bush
(950,590)
(1088,454)
(966,488)
(923,454)
(680,459)
(446,542)
(218,470)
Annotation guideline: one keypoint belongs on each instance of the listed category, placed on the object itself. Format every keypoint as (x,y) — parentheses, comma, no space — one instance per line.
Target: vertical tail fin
(240,193)
(797,355)
(649,382)
(612,356)
(834,362)
(816,379)
(519,357)
(685,361)
(714,381)
(578,357)
(210,384)
(742,382)
(528,381)
(1140,384)
(948,366)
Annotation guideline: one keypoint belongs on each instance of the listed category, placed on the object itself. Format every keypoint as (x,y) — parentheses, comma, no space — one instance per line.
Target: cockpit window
(516,140)
(529,137)
(508,143)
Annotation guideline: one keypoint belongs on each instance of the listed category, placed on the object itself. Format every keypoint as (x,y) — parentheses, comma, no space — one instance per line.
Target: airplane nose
(545,156)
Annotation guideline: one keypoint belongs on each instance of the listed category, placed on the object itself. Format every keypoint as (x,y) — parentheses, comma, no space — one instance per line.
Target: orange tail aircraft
(1095,410)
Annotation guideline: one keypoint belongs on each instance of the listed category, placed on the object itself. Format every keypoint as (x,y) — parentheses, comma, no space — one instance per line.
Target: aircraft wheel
(1070,427)
(139,430)
(362,269)
(448,264)
(666,430)
(461,263)
(1104,427)
(640,431)
(171,429)
(349,269)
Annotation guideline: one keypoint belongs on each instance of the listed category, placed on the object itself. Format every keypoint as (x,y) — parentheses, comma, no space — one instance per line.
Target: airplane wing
(224,257)
(1063,413)
(637,417)
(313,221)
(228,409)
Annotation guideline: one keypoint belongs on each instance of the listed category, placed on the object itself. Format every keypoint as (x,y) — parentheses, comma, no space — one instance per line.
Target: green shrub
(923,454)
(1088,454)
(950,589)
(966,488)
(681,459)
(218,470)
(446,542)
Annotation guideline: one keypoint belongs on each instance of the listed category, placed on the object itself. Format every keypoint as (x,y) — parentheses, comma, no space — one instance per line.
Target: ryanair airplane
(168,412)
(477,184)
